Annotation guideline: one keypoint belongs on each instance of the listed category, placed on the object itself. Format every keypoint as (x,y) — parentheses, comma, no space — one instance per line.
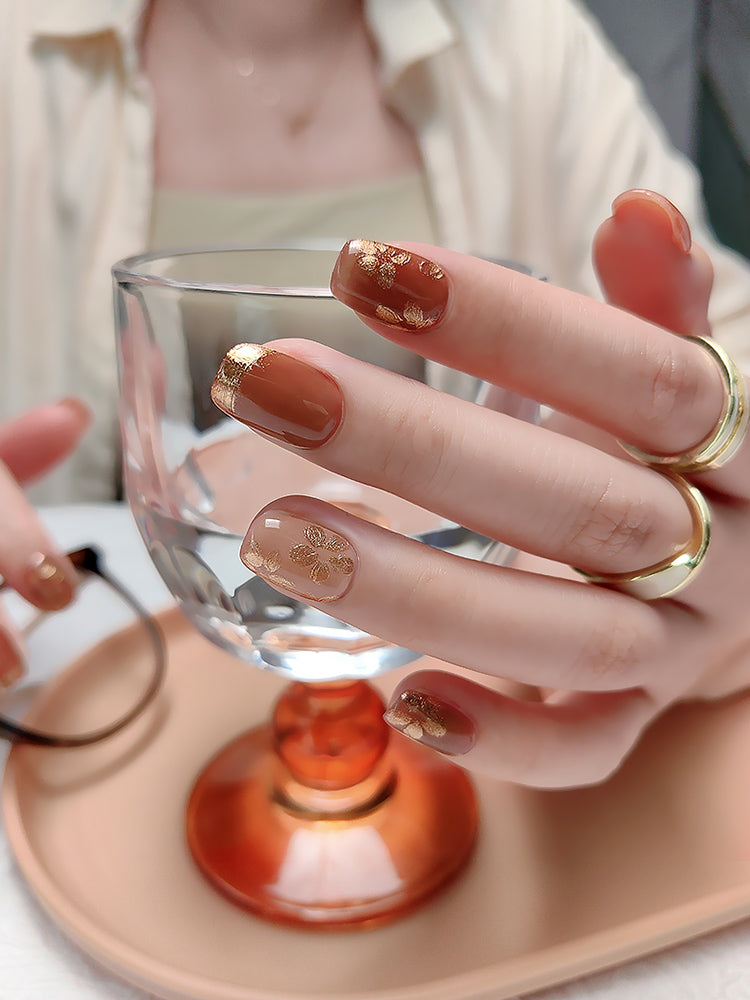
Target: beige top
(391,210)
(394,209)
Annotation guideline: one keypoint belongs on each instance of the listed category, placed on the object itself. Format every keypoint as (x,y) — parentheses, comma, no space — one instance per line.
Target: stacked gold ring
(670,575)
(715,450)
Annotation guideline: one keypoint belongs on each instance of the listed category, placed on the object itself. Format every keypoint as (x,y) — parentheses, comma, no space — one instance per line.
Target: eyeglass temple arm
(89,560)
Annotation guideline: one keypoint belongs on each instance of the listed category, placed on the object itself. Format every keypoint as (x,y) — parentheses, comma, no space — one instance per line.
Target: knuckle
(572,767)
(607,654)
(612,527)
(602,765)
(674,386)
(419,456)
(412,601)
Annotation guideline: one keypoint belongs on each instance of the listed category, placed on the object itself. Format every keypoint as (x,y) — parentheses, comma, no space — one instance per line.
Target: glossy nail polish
(395,286)
(300,555)
(426,719)
(278,395)
(48,583)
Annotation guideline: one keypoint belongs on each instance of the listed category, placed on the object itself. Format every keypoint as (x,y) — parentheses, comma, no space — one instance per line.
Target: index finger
(30,561)
(33,442)
(598,363)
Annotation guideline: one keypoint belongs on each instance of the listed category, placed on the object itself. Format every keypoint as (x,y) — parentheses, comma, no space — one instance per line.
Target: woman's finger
(526,627)
(522,484)
(12,656)
(634,379)
(648,264)
(30,561)
(35,441)
(574,739)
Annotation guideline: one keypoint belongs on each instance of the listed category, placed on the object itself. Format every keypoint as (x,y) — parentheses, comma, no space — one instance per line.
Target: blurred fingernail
(431,721)
(279,395)
(48,582)
(395,286)
(79,408)
(300,555)
(11,661)
(677,223)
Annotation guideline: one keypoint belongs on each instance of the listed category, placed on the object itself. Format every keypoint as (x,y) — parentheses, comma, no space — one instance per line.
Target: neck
(274,27)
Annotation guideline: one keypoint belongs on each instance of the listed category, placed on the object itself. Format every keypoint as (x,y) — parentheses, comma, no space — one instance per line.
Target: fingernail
(48,582)
(392,285)
(11,661)
(79,408)
(300,555)
(279,395)
(429,720)
(677,223)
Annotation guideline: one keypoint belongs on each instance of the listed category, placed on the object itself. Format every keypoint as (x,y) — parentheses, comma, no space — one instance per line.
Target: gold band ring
(670,575)
(728,434)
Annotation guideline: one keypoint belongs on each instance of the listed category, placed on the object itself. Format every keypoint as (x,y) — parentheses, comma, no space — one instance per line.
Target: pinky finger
(571,740)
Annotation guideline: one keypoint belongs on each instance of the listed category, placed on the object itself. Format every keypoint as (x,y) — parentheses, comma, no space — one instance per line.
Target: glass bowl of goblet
(317,818)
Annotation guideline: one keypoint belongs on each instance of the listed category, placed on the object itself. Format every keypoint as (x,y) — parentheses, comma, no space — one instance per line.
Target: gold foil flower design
(430,269)
(416,715)
(256,558)
(412,316)
(309,555)
(381,262)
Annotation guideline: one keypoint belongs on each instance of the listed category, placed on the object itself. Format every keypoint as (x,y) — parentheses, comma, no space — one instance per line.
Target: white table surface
(37,962)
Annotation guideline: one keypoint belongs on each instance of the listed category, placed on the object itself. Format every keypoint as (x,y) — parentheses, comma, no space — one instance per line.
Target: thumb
(34,442)
(647,263)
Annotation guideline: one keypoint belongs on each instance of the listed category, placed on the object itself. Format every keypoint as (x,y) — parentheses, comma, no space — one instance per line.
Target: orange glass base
(300,845)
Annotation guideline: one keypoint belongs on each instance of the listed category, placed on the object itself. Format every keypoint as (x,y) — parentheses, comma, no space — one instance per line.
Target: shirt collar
(406,32)
(76,18)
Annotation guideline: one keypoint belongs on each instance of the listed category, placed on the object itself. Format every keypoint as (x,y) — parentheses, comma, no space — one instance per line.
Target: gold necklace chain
(270,96)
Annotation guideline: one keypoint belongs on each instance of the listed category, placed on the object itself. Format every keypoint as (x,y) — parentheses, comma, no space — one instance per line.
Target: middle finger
(525,485)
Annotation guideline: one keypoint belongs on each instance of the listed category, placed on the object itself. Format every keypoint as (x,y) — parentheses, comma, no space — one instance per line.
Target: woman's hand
(30,562)
(564,494)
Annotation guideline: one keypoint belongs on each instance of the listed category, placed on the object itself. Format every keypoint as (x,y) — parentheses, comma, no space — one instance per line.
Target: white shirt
(528,128)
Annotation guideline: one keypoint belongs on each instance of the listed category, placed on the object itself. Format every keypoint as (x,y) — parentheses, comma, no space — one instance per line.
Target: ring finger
(394,587)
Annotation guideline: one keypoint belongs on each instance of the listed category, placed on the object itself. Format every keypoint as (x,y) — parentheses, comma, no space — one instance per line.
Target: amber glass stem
(330,739)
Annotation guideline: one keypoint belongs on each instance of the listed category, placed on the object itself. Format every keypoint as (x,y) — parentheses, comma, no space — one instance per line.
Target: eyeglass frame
(88,561)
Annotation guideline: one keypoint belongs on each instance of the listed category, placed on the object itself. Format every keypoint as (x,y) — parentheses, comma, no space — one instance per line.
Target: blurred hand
(30,561)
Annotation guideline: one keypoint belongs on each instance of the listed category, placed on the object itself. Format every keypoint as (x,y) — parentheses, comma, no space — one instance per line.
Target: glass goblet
(317,817)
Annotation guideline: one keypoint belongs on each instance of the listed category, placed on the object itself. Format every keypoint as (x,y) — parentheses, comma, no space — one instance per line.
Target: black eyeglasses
(113,683)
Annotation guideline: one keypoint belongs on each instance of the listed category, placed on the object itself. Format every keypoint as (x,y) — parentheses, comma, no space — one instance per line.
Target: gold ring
(670,575)
(729,432)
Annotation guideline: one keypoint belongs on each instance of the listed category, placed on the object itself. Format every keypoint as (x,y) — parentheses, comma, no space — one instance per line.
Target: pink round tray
(562,883)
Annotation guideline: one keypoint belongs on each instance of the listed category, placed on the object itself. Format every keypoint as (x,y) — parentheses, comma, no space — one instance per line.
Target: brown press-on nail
(300,555)
(275,393)
(429,720)
(49,585)
(392,285)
